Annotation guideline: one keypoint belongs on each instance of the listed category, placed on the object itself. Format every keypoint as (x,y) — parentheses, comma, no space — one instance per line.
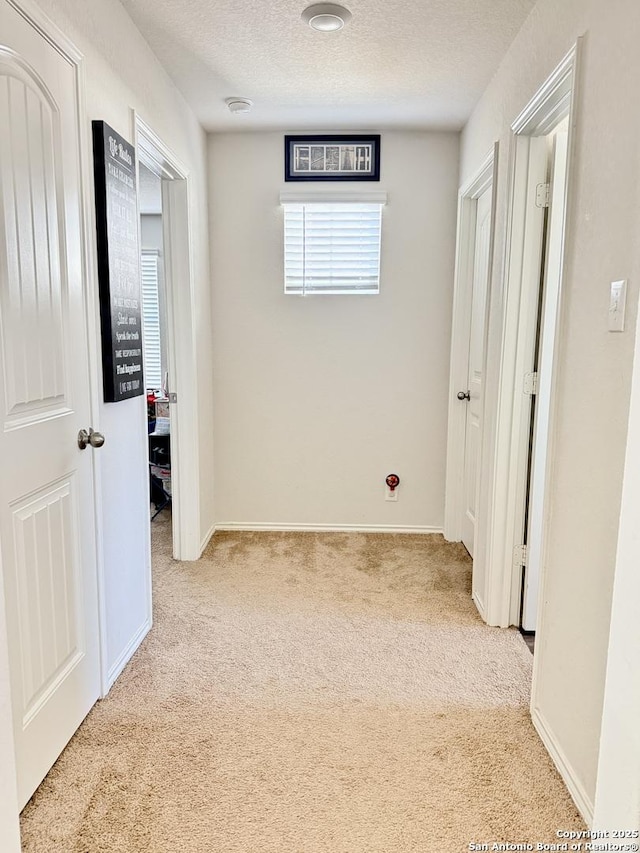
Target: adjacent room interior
(154,317)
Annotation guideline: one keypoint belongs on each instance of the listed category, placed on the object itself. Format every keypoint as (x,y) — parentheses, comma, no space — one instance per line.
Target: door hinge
(173,397)
(531,384)
(543,194)
(520,555)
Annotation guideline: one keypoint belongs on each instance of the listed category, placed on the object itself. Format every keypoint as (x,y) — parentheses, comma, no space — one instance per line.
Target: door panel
(476,358)
(544,367)
(47,501)
(32,333)
(44,589)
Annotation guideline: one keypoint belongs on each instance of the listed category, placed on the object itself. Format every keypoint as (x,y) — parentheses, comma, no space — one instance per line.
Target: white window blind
(151,320)
(332,247)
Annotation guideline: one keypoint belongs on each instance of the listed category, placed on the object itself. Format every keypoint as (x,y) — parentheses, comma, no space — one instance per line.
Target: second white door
(475,370)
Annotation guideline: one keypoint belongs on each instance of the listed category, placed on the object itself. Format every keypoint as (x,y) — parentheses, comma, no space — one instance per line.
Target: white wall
(317,399)
(122,73)
(618,788)
(151,231)
(594,365)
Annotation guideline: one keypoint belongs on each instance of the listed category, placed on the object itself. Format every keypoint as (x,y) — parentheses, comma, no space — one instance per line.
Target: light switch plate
(617,305)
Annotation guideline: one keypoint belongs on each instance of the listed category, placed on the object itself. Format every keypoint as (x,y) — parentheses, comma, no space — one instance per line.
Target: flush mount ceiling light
(326,17)
(239,106)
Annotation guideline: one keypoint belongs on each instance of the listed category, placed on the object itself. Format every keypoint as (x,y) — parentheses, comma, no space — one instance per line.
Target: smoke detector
(239,106)
(326,17)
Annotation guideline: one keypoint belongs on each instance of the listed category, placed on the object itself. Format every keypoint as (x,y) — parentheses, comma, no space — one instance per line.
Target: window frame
(330,199)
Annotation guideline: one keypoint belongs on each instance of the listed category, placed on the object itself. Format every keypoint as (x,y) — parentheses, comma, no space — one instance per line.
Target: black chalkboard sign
(114,166)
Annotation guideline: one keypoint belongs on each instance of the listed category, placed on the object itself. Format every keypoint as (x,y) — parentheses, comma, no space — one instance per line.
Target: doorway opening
(524,322)
(556,146)
(171,359)
(539,208)
(154,319)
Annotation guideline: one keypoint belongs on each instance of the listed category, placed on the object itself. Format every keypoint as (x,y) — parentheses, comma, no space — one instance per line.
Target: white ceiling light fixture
(239,106)
(326,17)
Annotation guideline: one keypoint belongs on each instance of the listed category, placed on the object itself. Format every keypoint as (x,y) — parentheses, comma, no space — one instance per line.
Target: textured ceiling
(416,64)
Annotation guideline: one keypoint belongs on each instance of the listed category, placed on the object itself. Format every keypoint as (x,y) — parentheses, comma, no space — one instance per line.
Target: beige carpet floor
(308,693)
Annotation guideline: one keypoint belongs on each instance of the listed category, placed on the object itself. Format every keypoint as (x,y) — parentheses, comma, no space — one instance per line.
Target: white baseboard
(479,606)
(574,786)
(325,528)
(207,538)
(127,653)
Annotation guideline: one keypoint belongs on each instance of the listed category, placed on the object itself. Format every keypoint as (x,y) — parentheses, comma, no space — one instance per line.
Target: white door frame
(547,313)
(505,461)
(465,248)
(181,337)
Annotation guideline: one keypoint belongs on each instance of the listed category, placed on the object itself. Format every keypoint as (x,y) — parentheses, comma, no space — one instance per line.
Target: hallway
(305,692)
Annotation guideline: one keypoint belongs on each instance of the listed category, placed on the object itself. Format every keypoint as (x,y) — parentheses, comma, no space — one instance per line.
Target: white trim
(33,14)
(181,338)
(322,196)
(87,224)
(128,652)
(479,603)
(465,240)
(207,538)
(325,528)
(502,460)
(552,101)
(183,364)
(578,794)
(483,177)
(162,161)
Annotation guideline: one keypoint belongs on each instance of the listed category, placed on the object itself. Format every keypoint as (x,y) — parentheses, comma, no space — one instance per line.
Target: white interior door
(475,370)
(47,502)
(544,368)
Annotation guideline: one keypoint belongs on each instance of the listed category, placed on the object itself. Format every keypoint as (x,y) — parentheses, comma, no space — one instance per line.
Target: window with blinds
(151,320)
(332,247)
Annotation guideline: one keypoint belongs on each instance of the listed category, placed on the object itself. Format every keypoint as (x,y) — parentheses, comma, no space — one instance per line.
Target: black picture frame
(114,165)
(365,165)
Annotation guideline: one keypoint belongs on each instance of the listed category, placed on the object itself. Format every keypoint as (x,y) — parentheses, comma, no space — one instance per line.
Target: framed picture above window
(332,158)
